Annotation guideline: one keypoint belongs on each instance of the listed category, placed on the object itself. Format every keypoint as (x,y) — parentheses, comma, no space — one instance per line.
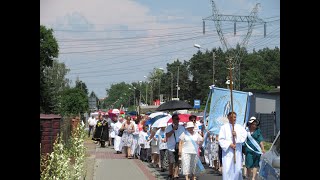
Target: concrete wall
(266,103)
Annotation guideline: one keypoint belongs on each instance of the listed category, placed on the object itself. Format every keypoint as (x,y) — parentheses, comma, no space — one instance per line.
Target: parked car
(270,161)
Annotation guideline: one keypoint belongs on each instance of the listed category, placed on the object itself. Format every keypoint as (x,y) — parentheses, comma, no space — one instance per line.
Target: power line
(126,30)
(139,65)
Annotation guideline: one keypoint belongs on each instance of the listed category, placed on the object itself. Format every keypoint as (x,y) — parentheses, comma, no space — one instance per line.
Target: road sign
(92,102)
(196,104)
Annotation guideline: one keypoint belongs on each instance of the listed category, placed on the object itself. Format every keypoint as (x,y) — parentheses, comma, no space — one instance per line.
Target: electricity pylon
(252,20)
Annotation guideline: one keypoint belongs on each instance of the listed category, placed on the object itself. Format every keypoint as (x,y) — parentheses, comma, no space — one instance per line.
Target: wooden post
(231,97)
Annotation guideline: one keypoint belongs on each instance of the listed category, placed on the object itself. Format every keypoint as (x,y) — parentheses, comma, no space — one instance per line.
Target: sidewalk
(103,163)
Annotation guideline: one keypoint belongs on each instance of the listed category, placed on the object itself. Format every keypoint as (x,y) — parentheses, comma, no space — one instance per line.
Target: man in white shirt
(230,148)
(173,133)
(92,123)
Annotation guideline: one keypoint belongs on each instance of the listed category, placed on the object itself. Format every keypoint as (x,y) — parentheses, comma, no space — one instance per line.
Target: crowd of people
(183,148)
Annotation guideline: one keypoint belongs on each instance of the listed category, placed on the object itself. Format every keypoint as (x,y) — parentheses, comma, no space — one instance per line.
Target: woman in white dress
(127,137)
(155,149)
(215,151)
(117,139)
(135,145)
(188,147)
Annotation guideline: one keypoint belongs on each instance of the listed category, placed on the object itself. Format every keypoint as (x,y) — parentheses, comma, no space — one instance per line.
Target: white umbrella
(180,123)
(161,120)
(115,111)
(94,114)
(156,114)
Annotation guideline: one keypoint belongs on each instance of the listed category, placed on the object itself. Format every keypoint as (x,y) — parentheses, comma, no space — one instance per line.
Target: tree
(118,94)
(55,75)
(261,70)
(73,101)
(82,86)
(200,68)
(48,51)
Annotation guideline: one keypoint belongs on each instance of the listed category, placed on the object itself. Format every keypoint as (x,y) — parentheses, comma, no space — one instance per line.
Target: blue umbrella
(154,119)
(133,113)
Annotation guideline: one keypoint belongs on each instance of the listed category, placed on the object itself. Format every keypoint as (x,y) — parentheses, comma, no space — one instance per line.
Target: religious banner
(220,106)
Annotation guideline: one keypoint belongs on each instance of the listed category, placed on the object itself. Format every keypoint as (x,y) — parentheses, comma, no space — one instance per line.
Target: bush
(65,163)
(57,165)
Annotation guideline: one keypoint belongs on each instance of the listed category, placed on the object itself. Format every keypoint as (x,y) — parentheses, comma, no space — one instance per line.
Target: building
(265,105)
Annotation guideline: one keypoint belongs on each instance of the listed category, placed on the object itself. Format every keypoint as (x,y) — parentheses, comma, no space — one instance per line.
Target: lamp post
(178,88)
(146,89)
(134,95)
(160,82)
(171,82)
(140,93)
(213,60)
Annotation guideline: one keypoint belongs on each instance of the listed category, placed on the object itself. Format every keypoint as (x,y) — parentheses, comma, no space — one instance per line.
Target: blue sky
(104,42)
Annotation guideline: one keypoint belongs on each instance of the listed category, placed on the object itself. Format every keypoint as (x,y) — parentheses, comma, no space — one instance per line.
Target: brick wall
(50,128)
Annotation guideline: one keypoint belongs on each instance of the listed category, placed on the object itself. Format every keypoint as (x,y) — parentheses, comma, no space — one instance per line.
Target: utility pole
(146,93)
(146,89)
(213,70)
(251,20)
(140,93)
(159,87)
(178,83)
(213,61)
(134,97)
(151,92)
(171,85)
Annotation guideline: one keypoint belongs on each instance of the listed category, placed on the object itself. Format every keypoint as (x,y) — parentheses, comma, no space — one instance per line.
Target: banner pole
(231,97)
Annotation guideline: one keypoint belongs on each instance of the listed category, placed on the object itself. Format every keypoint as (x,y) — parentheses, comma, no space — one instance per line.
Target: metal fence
(267,126)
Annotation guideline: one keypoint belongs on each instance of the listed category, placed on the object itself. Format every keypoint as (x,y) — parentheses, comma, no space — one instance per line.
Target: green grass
(267,146)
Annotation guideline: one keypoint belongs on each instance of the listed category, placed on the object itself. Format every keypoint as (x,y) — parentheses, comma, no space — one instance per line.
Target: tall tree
(82,86)
(73,101)
(56,77)
(48,52)
(200,67)
(118,94)
(261,70)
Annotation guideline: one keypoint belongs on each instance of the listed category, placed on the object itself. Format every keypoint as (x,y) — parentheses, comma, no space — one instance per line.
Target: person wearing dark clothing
(101,133)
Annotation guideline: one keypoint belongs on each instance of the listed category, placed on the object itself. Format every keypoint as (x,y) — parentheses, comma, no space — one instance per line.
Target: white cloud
(106,12)
(104,18)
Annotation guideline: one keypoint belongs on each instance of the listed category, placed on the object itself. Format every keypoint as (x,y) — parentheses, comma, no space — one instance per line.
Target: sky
(105,42)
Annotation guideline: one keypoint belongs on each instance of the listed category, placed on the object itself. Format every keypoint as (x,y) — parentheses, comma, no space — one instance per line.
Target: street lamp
(160,81)
(146,89)
(140,93)
(171,82)
(178,88)
(134,95)
(213,60)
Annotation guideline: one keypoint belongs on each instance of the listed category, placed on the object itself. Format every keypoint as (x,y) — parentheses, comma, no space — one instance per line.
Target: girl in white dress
(162,145)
